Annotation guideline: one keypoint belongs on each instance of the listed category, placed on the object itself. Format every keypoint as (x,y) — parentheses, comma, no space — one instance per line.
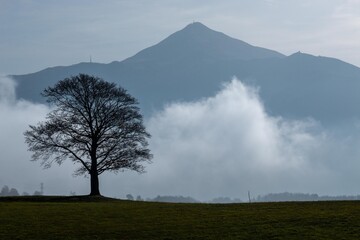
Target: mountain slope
(193,63)
(198,42)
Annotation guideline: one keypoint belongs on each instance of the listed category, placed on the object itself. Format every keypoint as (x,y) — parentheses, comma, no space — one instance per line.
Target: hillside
(193,63)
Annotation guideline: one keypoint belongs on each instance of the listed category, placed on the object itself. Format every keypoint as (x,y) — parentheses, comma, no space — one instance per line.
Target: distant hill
(193,62)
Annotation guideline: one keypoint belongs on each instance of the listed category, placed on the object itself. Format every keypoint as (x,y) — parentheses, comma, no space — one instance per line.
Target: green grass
(110,219)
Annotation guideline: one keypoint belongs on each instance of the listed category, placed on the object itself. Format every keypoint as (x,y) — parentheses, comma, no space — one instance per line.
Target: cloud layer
(228,144)
(224,145)
(16,169)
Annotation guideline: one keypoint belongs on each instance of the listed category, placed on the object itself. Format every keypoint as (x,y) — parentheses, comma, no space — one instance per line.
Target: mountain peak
(196,26)
(198,42)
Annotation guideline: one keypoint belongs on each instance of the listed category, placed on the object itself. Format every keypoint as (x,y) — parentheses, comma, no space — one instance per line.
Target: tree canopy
(93,123)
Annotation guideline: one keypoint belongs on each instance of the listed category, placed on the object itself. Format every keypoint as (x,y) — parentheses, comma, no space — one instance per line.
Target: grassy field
(57,218)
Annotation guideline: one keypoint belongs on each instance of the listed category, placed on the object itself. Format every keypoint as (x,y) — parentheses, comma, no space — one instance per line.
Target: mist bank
(223,145)
(16,168)
(227,145)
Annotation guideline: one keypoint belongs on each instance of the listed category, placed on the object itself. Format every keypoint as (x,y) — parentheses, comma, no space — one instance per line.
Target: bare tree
(129,197)
(95,124)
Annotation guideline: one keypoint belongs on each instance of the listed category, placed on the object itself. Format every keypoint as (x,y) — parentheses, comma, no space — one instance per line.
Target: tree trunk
(94,179)
(94,175)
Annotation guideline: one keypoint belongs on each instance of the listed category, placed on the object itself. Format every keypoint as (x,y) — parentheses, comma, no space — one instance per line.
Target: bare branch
(94,123)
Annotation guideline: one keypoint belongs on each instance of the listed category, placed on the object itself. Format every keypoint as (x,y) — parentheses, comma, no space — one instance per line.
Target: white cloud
(224,145)
(16,169)
(227,144)
(7,90)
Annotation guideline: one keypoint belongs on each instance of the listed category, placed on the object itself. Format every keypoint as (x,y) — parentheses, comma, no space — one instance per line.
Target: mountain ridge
(195,36)
(193,63)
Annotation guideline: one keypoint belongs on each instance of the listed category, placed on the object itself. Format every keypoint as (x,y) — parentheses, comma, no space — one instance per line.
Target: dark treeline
(6,191)
(271,197)
(170,199)
(173,199)
(225,200)
(286,196)
(13,192)
(182,199)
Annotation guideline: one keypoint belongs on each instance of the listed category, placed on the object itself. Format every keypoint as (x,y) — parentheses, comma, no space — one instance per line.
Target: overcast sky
(36,34)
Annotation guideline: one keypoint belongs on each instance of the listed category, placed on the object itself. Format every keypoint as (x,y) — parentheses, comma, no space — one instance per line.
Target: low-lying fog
(224,145)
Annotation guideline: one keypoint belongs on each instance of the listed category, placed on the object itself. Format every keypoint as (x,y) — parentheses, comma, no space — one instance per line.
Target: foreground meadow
(114,219)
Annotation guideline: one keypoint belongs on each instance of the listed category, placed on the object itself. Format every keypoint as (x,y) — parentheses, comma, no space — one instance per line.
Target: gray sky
(36,34)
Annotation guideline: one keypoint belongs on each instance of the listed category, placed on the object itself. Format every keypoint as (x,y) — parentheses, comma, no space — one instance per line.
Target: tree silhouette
(5,191)
(95,124)
(129,197)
